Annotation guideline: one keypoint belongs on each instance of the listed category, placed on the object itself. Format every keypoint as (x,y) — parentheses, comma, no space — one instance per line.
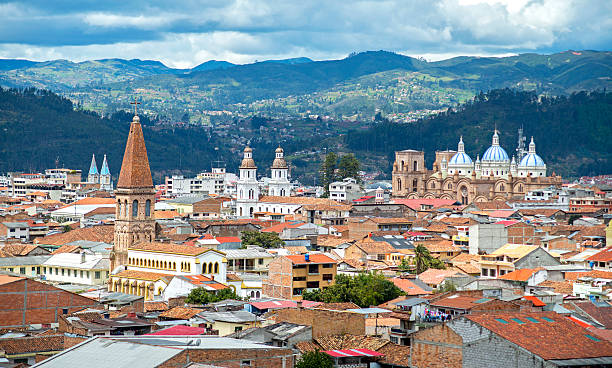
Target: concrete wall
(537,258)
(487,237)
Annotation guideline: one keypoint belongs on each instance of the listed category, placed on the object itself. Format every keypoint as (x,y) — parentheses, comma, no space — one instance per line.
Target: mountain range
(357,86)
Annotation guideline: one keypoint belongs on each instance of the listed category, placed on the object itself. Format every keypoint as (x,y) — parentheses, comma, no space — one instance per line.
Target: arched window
(210,268)
(125,208)
(414,185)
(403,164)
(148,263)
(251,212)
(119,210)
(240,211)
(450,186)
(156,264)
(135,208)
(165,264)
(415,166)
(399,184)
(216,267)
(257,294)
(148,208)
(502,188)
(174,266)
(520,188)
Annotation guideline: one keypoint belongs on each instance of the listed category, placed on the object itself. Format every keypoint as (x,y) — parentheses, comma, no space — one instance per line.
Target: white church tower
(279,183)
(247,187)
(106,181)
(94,175)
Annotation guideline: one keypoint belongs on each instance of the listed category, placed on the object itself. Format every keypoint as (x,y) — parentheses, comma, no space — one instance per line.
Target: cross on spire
(135,103)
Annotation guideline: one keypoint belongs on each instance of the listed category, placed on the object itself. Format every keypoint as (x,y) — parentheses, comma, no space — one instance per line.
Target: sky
(185,33)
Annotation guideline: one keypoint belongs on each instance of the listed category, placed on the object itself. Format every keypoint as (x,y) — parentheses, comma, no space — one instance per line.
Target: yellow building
(29,266)
(511,257)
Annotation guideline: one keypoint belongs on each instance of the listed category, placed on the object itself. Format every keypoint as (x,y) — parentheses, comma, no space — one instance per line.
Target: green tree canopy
(201,296)
(314,359)
(425,261)
(365,290)
(264,240)
(328,171)
(349,167)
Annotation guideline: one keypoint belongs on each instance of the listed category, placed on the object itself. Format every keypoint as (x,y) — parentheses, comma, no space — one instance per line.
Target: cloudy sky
(184,33)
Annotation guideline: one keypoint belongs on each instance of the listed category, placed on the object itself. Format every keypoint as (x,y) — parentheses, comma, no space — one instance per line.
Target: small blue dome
(495,153)
(532,160)
(460,158)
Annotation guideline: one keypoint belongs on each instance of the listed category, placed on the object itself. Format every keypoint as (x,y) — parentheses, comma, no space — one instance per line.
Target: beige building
(290,276)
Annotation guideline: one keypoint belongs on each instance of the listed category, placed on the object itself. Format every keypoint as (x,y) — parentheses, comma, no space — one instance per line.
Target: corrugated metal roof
(23,261)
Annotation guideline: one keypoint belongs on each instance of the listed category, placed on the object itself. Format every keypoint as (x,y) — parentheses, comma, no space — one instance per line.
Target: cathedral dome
(495,152)
(532,160)
(247,161)
(460,158)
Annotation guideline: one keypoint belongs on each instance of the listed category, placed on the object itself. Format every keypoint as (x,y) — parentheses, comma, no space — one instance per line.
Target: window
(485,272)
(216,267)
(297,291)
(244,363)
(148,208)
(87,274)
(313,269)
(236,329)
(56,270)
(62,272)
(328,265)
(97,275)
(135,208)
(81,274)
(493,272)
(299,278)
(260,261)
(328,276)
(22,270)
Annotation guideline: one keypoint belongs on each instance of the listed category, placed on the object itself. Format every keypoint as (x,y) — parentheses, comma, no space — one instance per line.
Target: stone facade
(411,179)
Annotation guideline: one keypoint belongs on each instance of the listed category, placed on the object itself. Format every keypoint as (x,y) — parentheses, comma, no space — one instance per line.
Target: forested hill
(573,134)
(37,127)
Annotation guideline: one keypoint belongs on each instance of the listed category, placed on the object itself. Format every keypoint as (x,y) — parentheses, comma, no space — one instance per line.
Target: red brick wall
(437,347)
(233,358)
(496,306)
(280,279)
(522,233)
(323,322)
(27,302)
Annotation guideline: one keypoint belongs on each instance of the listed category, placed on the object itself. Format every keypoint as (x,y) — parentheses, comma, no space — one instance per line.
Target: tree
(328,171)
(201,296)
(446,287)
(365,290)
(425,261)
(314,359)
(405,265)
(264,240)
(349,167)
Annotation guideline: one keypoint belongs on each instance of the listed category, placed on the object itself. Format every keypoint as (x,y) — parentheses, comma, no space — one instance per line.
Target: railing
(399,331)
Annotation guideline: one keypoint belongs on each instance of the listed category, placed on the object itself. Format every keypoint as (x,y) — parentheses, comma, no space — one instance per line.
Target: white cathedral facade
(247,186)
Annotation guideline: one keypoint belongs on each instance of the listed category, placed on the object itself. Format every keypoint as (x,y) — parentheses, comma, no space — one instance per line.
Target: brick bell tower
(135,194)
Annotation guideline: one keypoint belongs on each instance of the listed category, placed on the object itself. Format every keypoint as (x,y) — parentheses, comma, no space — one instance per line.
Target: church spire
(104,170)
(495,138)
(135,170)
(532,146)
(460,146)
(93,168)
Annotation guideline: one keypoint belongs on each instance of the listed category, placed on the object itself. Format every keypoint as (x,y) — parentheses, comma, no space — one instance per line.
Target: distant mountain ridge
(356,85)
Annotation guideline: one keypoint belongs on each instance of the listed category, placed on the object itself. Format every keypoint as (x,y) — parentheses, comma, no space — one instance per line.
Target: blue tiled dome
(460,158)
(495,153)
(532,160)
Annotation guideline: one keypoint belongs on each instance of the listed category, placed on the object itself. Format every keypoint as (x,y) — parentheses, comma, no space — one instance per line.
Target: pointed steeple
(104,170)
(93,168)
(495,139)
(135,170)
(532,146)
(460,146)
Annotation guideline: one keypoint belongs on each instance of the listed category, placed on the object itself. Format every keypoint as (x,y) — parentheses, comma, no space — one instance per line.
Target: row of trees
(336,168)
(201,296)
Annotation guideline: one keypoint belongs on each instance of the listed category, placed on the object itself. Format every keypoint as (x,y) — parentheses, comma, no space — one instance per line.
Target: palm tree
(422,258)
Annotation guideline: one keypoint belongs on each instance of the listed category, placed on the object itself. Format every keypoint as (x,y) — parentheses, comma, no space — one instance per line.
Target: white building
(75,268)
(218,181)
(15,230)
(279,184)
(345,190)
(247,187)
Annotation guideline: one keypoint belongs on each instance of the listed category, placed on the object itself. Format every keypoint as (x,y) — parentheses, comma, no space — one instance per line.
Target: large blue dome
(460,158)
(532,160)
(495,153)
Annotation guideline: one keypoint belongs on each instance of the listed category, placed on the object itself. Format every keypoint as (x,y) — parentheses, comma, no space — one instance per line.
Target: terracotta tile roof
(313,259)
(299,200)
(15,250)
(332,241)
(296,249)
(67,249)
(282,226)
(410,287)
(416,204)
(594,273)
(395,355)
(338,342)
(135,170)
(600,314)
(457,301)
(101,211)
(561,339)
(232,277)
(155,306)
(169,214)
(520,275)
(441,246)
(6,279)
(143,275)
(374,247)
(492,205)
(33,344)
(92,201)
(392,220)
(100,233)
(337,306)
(458,221)
(547,212)
(468,268)
(561,287)
(466,257)
(205,282)
(180,313)
(605,255)
(435,277)
(170,248)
